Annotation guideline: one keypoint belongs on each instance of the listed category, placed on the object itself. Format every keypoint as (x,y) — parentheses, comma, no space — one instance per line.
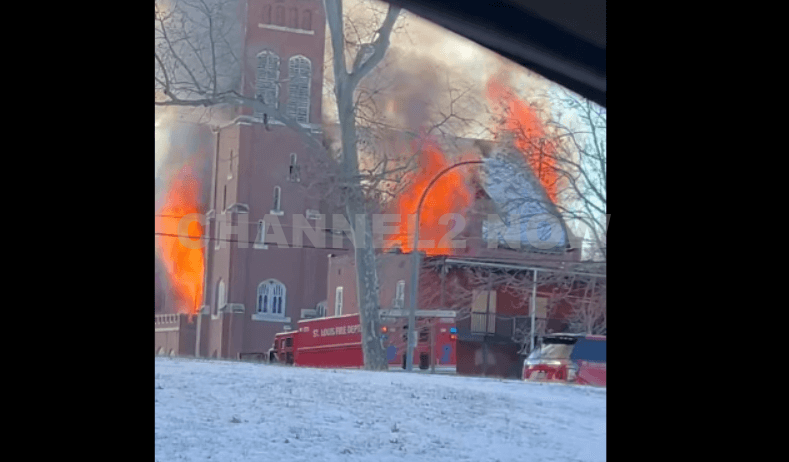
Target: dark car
(572,358)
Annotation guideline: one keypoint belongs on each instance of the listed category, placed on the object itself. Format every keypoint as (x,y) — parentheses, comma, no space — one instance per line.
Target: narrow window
(294,18)
(267,80)
(217,224)
(294,174)
(306,20)
(483,311)
(277,199)
(280,15)
(260,237)
(338,302)
(221,299)
(224,199)
(230,169)
(267,14)
(299,76)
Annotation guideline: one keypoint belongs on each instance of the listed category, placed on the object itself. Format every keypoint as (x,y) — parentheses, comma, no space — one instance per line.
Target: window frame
(275,311)
(399,301)
(338,301)
(220,302)
(260,237)
(294,173)
(277,210)
(299,88)
(267,75)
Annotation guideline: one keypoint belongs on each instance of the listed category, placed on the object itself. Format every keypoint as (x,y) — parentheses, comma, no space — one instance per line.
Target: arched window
(306,20)
(277,199)
(267,81)
(271,298)
(280,15)
(221,297)
(294,172)
(294,18)
(299,76)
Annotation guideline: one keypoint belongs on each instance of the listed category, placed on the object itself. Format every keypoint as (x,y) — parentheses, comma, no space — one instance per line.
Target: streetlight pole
(416,266)
(533,312)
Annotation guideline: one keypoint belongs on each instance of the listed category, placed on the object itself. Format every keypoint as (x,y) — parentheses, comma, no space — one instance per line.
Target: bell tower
(283,55)
(255,288)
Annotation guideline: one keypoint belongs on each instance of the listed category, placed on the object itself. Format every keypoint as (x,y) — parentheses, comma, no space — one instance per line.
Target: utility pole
(432,347)
(415,269)
(533,311)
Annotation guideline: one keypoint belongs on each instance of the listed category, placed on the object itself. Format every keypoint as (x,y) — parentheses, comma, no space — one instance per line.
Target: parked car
(572,358)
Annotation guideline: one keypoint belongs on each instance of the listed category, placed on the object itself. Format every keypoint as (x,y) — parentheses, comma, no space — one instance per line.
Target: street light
(409,360)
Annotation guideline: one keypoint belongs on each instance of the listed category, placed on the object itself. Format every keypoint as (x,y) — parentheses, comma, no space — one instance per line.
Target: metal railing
(166,319)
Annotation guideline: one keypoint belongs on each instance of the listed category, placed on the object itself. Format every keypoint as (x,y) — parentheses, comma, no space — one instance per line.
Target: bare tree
(589,314)
(345,83)
(196,64)
(581,164)
(197,60)
(566,154)
(573,299)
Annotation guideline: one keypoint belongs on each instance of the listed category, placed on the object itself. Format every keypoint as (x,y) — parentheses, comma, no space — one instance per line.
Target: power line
(280,225)
(253,242)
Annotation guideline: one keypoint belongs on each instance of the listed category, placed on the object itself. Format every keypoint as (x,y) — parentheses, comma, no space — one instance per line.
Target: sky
(420,47)
(424,54)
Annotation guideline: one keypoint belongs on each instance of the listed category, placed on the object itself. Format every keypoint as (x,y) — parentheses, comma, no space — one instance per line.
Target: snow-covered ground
(223,411)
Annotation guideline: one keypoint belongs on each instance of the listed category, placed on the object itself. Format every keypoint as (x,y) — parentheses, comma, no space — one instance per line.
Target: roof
(537,262)
(568,336)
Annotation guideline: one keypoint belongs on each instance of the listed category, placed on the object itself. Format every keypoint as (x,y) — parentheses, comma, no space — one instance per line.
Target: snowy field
(223,411)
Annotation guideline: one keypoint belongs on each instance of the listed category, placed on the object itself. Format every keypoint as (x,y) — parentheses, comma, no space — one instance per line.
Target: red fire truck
(335,342)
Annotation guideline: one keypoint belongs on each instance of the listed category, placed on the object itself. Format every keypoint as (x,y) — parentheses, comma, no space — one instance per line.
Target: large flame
(520,120)
(182,256)
(449,194)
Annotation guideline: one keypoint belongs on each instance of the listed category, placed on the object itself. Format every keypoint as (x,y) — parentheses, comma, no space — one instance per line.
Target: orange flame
(449,194)
(524,123)
(182,256)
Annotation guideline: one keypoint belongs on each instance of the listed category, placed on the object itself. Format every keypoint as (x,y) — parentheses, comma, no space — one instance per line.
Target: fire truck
(335,342)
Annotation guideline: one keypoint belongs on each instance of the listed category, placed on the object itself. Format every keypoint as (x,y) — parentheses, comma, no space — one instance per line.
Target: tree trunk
(367,293)
(367,288)
(344,86)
